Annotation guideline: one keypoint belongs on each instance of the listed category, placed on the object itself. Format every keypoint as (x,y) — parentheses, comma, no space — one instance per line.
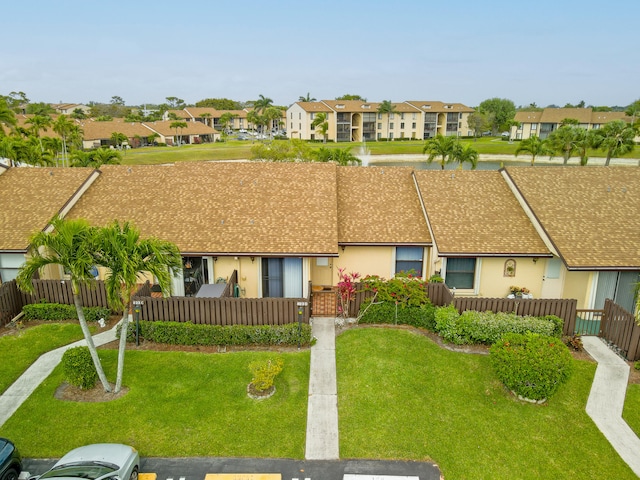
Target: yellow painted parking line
(147,476)
(243,476)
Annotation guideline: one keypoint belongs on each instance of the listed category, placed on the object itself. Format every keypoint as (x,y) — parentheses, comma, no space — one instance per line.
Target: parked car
(100,461)
(10,461)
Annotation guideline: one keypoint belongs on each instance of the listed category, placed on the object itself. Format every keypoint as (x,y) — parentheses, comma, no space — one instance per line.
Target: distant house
(542,123)
(69,108)
(358,121)
(561,232)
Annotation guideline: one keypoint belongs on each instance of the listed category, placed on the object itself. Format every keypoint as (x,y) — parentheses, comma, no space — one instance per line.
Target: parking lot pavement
(198,468)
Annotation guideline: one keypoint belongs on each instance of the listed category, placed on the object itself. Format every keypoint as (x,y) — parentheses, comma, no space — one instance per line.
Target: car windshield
(88,470)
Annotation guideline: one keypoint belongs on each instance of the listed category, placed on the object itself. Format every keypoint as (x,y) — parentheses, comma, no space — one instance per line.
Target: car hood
(105,452)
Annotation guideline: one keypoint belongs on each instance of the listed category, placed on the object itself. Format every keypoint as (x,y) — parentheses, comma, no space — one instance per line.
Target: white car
(100,461)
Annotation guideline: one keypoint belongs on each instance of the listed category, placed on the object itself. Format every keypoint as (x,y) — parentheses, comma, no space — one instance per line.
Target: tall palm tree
(127,257)
(387,108)
(563,141)
(95,158)
(254,118)
(63,127)
(533,146)
(442,147)
(462,154)
(262,104)
(38,123)
(308,98)
(615,138)
(178,125)
(320,122)
(70,244)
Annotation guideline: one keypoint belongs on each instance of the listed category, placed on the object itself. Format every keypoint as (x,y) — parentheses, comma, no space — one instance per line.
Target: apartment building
(358,121)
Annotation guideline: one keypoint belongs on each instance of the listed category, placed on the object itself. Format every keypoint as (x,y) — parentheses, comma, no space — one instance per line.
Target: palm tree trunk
(606,163)
(122,347)
(89,340)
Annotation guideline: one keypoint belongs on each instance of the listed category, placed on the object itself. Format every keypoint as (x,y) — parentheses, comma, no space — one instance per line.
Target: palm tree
(63,127)
(533,146)
(70,245)
(262,104)
(563,141)
(7,117)
(308,98)
(127,257)
(271,115)
(39,122)
(615,138)
(118,139)
(254,118)
(344,157)
(462,154)
(320,121)
(388,108)
(442,147)
(95,158)
(585,139)
(179,125)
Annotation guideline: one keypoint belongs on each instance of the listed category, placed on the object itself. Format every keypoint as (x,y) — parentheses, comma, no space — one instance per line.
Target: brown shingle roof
(379,205)
(556,115)
(314,107)
(218,208)
(103,130)
(591,214)
(192,128)
(475,213)
(30,197)
(433,106)
(197,112)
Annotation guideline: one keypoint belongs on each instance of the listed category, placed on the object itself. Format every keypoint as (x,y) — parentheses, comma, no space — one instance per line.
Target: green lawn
(27,345)
(179,404)
(631,412)
(235,150)
(403,397)
(400,397)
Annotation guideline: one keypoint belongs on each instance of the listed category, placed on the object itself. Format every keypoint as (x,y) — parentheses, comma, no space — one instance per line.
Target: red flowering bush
(405,289)
(346,290)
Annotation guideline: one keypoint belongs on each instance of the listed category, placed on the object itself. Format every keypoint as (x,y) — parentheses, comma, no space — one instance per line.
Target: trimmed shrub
(422,316)
(487,327)
(58,311)
(264,373)
(78,368)
(177,333)
(531,365)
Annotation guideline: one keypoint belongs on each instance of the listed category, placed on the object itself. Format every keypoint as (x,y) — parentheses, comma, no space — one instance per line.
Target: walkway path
(322,410)
(24,386)
(606,401)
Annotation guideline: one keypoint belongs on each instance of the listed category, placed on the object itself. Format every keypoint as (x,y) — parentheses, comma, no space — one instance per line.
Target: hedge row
(422,316)
(487,327)
(176,333)
(57,311)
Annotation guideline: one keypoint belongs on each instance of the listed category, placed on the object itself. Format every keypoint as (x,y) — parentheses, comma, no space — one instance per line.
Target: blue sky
(547,52)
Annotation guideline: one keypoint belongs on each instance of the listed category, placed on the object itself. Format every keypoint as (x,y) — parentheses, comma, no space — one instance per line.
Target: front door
(552,280)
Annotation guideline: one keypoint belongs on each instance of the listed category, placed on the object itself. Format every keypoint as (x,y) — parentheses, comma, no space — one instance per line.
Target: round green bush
(79,369)
(531,365)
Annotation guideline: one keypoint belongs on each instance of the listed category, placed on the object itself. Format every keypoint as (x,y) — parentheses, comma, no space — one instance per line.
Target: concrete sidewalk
(24,386)
(606,401)
(322,410)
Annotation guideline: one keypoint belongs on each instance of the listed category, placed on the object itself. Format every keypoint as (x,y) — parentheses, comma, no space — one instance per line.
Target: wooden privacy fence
(619,328)
(12,299)
(224,310)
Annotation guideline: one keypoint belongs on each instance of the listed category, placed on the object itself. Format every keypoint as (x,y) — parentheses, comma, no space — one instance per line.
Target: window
(391,116)
(534,126)
(282,277)
(379,126)
(299,116)
(402,116)
(409,258)
(311,115)
(391,126)
(9,265)
(460,272)
(379,116)
(413,116)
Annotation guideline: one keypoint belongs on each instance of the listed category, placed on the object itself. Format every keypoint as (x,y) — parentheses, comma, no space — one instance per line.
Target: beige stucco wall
(248,273)
(494,284)
(321,271)
(578,285)
(365,260)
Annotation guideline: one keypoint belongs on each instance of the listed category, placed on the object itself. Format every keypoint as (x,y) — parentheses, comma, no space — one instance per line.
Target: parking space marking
(350,476)
(147,476)
(243,476)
